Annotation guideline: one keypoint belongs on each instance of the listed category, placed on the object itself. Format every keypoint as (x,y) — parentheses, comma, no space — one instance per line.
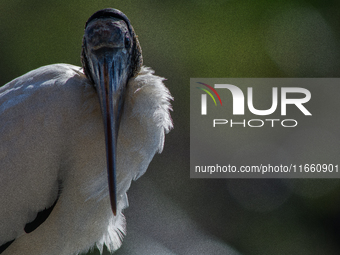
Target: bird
(73,138)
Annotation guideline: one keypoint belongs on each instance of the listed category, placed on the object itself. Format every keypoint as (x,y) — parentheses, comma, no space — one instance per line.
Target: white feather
(52,138)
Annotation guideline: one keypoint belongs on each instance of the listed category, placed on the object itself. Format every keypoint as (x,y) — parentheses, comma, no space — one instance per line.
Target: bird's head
(111,55)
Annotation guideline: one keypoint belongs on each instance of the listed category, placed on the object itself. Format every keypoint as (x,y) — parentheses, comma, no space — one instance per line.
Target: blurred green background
(170,213)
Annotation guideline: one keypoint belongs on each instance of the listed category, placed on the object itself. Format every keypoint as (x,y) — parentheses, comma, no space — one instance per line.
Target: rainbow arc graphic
(208,92)
(204,97)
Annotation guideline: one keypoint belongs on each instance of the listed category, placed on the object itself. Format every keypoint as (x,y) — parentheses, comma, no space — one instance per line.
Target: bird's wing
(30,121)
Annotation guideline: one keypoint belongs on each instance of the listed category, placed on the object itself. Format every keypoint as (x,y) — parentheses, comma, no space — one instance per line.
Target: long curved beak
(111,90)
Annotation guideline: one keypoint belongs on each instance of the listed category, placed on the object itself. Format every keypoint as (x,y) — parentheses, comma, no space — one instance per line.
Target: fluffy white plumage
(52,141)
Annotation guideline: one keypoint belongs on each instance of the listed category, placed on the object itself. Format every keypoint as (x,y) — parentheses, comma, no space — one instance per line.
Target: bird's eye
(127,41)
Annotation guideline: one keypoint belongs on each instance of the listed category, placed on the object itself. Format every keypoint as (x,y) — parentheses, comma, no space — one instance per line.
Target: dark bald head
(111,28)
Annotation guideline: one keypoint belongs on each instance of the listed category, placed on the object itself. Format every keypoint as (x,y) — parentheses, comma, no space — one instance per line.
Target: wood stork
(57,180)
